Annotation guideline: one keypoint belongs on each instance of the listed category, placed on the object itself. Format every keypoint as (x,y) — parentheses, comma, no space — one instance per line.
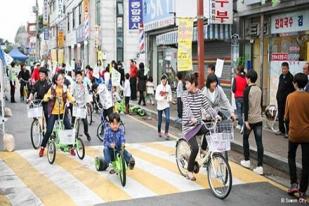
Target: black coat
(142,78)
(285,87)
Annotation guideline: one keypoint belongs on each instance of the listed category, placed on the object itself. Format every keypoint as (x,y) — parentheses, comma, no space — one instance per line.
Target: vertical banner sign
(135,14)
(46,33)
(219,11)
(184,54)
(86,18)
(60,39)
(45,13)
(60,9)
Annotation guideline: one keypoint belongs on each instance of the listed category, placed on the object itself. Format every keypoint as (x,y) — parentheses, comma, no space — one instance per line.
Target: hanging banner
(184,54)
(60,56)
(135,14)
(86,18)
(45,13)
(116,77)
(60,39)
(219,11)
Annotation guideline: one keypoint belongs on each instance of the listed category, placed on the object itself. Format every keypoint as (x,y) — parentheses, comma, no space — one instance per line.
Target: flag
(141,39)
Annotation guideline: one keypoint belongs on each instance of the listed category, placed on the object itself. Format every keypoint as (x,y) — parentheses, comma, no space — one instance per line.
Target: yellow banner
(54,55)
(184,54)
(60,39)
(60,56)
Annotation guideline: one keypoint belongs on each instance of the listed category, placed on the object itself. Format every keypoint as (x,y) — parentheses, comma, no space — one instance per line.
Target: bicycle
(272,121)
(118,164)
(104,124)
(64,140)
(37,129)
(219,173)
(79,112)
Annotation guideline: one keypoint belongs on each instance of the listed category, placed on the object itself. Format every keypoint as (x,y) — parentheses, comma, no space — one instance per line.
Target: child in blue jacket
(114,139)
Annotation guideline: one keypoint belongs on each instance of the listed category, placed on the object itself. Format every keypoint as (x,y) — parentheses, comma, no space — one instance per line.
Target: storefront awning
(211,32)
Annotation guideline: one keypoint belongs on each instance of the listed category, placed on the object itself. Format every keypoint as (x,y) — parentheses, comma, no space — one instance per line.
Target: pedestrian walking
(163,97)
(306,72)
(285,87)
(121,71)
(127,93)
(150,90)
(253,121)
(142,78)
(13,74)
(133,79)
(296,113)
(179,92)
(23,76)
(238,87)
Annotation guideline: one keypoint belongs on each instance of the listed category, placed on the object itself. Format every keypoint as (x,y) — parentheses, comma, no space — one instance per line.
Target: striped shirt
(193,103)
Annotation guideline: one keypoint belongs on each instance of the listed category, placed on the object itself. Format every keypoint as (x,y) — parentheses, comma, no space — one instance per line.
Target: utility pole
(200,42)
(37,42)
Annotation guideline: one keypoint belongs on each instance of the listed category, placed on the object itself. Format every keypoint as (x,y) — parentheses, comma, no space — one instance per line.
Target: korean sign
(45,13)
(185,34)
(135,14)
(219,11)
(290,22)
(60,9)
(86,18)
(158,14)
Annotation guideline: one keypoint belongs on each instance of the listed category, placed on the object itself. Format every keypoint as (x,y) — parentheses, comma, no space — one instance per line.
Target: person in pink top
(239,85)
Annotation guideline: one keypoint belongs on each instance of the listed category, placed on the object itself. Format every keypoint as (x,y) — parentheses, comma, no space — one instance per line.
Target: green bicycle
(64,140)
(119,165)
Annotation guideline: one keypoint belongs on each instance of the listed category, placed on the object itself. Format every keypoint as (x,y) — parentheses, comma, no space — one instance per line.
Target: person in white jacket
(163,97)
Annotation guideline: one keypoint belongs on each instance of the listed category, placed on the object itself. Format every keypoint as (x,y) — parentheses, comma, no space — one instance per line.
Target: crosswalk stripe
(135,190)
(18,194)
(44,189)
(62,178)
(162,147)
(157,185)
(100,185)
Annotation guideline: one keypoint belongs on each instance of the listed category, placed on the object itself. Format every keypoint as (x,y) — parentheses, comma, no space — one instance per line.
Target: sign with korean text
(290,22)
(135,14)
(60,39)
(158,14)
(184,53)
(46,33)
(279,56)
(45,12)
(86,18)
(60,9)
(219,11)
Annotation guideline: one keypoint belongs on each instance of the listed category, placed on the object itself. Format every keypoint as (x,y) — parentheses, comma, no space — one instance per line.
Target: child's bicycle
(104,124)
(37,130)
(64,140)
(79,112)
(218,168)
(119,165)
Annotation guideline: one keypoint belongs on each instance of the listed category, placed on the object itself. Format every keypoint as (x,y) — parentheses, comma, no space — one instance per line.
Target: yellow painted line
(42,187)
(155,184)
(100,185)
(168,150)
(151,126)
(201,179)
(4,201)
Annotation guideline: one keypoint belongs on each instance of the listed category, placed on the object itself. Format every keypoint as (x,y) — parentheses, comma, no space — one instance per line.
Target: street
(26,179)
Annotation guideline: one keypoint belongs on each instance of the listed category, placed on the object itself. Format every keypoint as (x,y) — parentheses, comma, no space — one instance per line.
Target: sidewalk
(275,147)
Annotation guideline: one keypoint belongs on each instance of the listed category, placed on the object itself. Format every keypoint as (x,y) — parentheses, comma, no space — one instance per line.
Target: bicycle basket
(67,137)
(34,111)
(79,112)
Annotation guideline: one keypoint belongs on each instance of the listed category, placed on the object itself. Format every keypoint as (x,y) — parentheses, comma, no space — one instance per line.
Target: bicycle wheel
(100,132)
(219,176)
(89,113)
(76,127)
(182,156)
(80,148)
(36,134)
(51,151)
(122,171)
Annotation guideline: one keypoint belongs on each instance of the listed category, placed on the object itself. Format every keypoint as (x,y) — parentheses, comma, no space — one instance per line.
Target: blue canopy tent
(17,55)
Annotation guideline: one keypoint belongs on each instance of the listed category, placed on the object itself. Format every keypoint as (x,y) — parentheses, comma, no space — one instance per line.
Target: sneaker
(259,170)
(72,152)
(293,189)
(302,198)
(245,163)
(167,137)
(41,153)
(238,127)
(88,137)
(159,134)
(131,163)
(279,133)
(242,130)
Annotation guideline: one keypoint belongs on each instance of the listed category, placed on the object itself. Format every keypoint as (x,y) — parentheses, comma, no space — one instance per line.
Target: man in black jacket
(285,87)
(23,76)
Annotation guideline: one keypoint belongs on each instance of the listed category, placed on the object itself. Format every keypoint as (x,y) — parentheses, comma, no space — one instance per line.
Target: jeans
(85,123)
(45,110)
(167,119)
(240,110)
(109,155)
(179,107)
(194,148)
(257,129)
(283,127)
(50,126)
(305,164)
(133,88)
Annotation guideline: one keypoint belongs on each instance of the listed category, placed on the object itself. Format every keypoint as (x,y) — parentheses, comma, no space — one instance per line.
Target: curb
(271,159)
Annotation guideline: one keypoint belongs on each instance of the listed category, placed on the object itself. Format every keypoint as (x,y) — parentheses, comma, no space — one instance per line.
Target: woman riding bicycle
(57,96)
(193,101)
(217,98)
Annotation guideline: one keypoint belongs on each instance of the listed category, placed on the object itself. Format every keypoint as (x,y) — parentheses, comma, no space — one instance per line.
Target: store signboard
(135,14)
(219,11)
(158,14)
(290,22)
(279,56)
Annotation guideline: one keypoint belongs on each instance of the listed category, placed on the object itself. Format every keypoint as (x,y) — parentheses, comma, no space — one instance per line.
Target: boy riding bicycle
(114,141)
